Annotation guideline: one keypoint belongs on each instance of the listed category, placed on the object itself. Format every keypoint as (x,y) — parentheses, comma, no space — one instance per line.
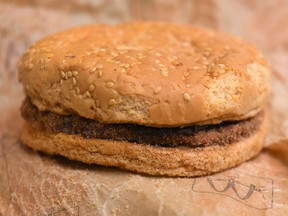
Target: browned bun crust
(155,74)
(180,161)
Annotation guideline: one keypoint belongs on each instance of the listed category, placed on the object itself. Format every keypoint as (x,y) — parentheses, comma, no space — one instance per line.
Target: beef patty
(193,136)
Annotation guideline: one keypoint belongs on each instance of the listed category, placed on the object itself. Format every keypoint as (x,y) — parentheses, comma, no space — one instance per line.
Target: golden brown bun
(180,161)
(147,73)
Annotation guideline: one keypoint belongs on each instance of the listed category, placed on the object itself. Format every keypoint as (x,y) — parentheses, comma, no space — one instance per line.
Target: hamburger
(154,98)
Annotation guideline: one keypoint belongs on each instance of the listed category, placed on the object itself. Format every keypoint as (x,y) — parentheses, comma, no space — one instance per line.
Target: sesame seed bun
(153,74)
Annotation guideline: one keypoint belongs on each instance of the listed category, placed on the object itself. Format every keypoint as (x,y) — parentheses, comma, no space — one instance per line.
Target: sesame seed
(205,62)
(47,60)
(30,66)
(54,86)
(123,70)
(163,68)
(126,65)
(74,82)
(239,90)
(77,90)
(158,54)
(174,63)
(109,84)
(172,58)
(86,94)
(131,112)
(99,66)
(63,75)
(69,74)
(97,103)
(221,65)
(91,88)
(186,96)
(222,71)
(93,69)
(100,73)
(61,82)
(157,90)
(164,73)
(187,85)
(130,72)
(116,62)
(186,74)
(196,67)
(75,73)
(157,61)
(112,102)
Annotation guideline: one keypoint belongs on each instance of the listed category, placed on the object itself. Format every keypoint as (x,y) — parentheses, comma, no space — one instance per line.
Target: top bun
(155,74)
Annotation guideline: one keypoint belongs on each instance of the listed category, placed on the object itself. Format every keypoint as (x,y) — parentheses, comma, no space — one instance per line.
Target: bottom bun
(141,158)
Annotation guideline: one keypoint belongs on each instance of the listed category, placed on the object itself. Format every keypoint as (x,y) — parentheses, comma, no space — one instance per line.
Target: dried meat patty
(193,136)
